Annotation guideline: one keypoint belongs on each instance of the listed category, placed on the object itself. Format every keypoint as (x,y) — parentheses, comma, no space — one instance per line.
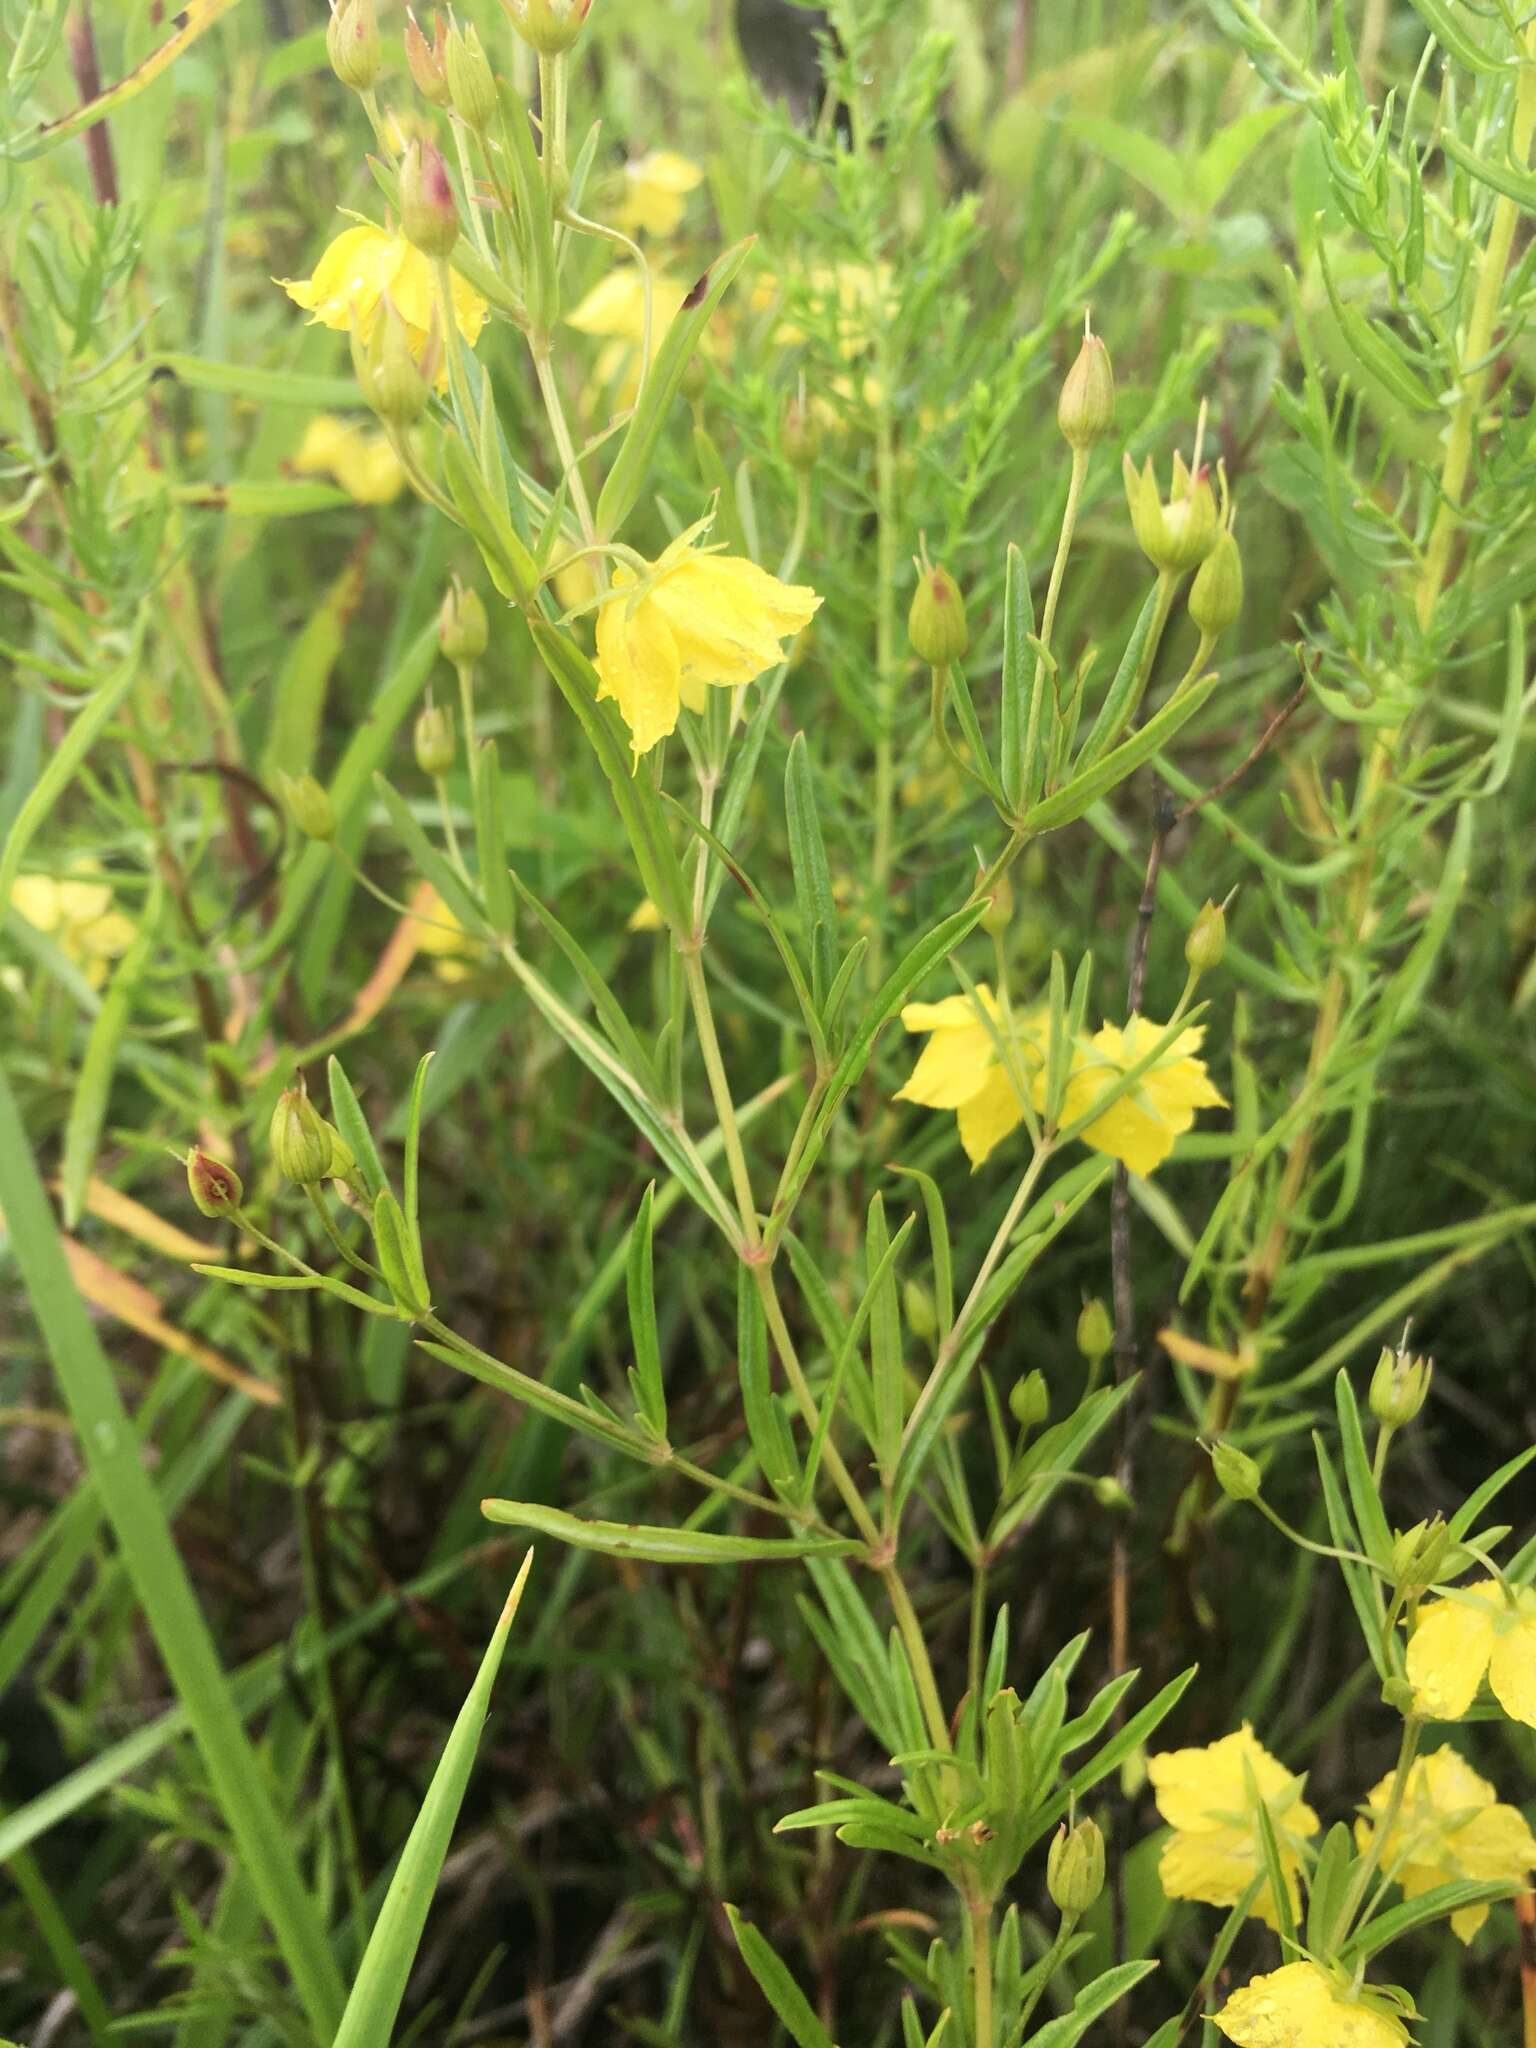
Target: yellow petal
(1215,1866)
(1448,1653)
(989,1115)
(616,305)
(105,938)
(413,293)
(350,278)
(81,903)
(949,1011)
(952,1067)
(1297,2007)
(36,897)
(637,665)
(1512,1671)
(727,616)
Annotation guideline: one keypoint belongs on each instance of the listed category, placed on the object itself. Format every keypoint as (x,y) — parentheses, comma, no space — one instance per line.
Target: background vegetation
(1280,218)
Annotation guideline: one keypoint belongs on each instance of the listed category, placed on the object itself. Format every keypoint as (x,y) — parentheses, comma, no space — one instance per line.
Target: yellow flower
(439,933)
(365,465)
(1140,1128)
(1476,1631)
(614,310)
(78,916)
(656,191)
(1451,1826)
(695,618)
(961,1069)
(364,264)
(645,917)
(1207,1796)
(1301,2007)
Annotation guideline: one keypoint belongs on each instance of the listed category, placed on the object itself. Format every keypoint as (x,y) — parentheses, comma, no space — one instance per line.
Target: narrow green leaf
(93,1083)
(1020,715)
(111,1450)
(633,463)
(884,1341)
(777,1985)
(353,1126)
(491,839)
(640,1293)
(379,1987)
(63,762)
(659,1545)
(1370,1516)
(938,1245)
(808,863)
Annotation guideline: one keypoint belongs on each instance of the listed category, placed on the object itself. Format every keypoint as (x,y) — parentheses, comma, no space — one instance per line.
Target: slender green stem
(1059,566)
(1478,346)
(565,447)
(978,1632)
(917,1654)
(980,1910)
(1305,1543)
(328,1225)
(950,1348)
(720,1092)
(805,1401)
(466,174)
(1382,1827)
(1047,1968)
(885,668)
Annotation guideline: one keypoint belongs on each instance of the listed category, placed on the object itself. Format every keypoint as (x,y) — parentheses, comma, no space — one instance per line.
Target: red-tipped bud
(429,213)
(216,1188)
(427,61)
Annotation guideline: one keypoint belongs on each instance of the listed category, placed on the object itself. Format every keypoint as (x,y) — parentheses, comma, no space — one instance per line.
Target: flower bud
(936,622)
(1074,1867)
(1419,1555)
(1095,1331)
(917,1304)
(1216,595)
(1399,1387)
(216,1188)
(435,751)
(800,436)
(462,627)
(1399,1695)
(471,86)
(304,1146)
(550,26)
(1109,1493)
(352,44)
(1177,536)
(388,374)
(426,60)
(1236,1473)
(1029,1400)
(1085,412)
(429,214)
(998,914)
(309,805)
(1207,939)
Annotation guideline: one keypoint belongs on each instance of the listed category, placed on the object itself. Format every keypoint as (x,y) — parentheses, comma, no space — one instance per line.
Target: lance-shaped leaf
(778,1987)
(660,1545)
(632,465)
(374,2003)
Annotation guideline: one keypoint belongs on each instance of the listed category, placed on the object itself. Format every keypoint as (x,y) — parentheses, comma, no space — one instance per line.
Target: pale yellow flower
(1139,1129)
(1476,1633)
(694,619)
(77,914)
(614,311)
(656,188)
(1300,2006)
(962,1068)
(440,935)
(363,266)
(1210,1798)
(364,464)
(1451,1826)
(645,917)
